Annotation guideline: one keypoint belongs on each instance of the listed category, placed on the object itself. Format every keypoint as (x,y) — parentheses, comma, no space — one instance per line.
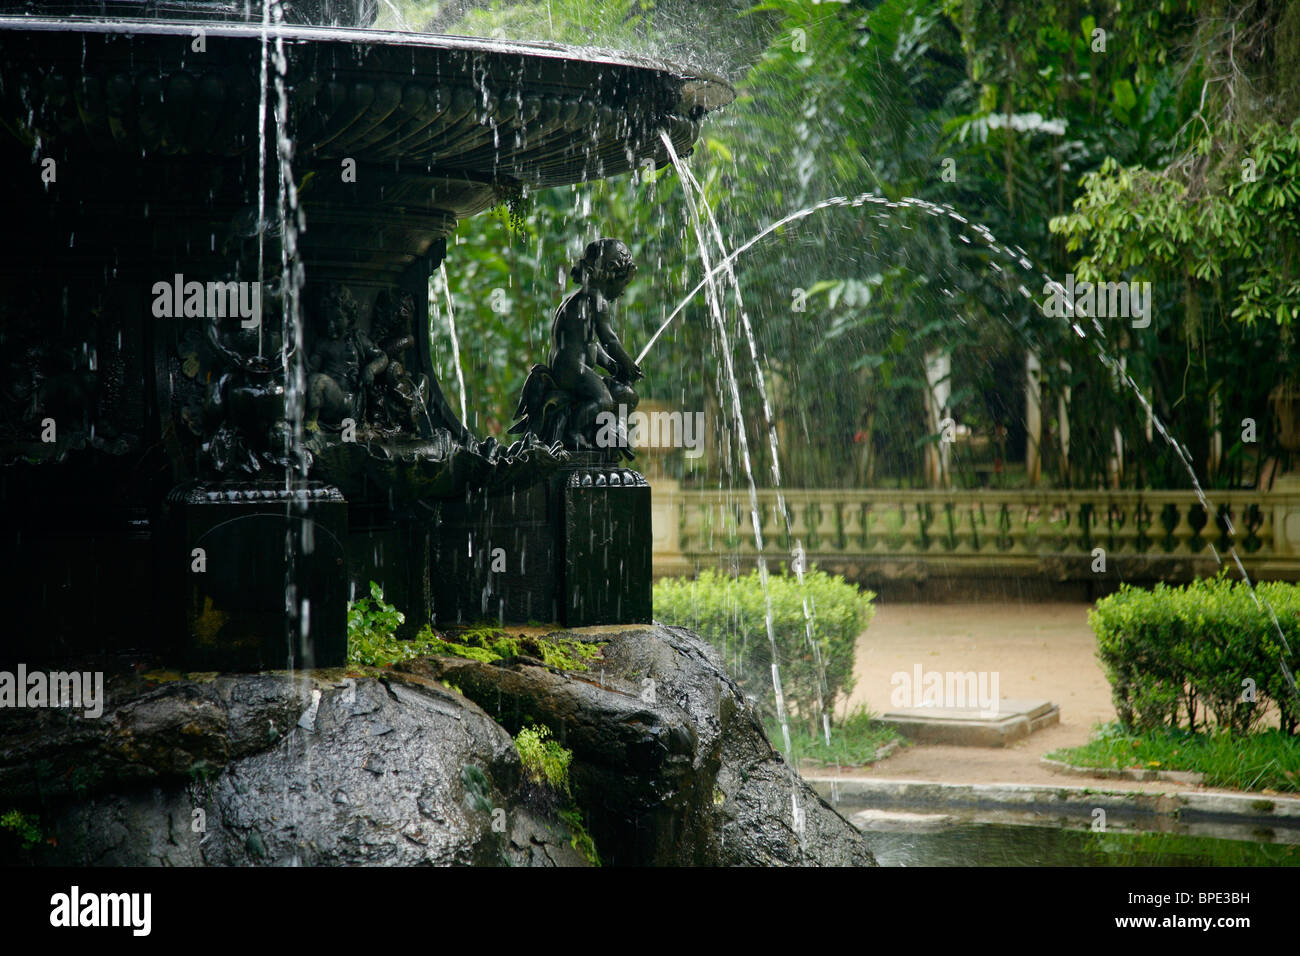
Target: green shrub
(730,613)
(1176,656)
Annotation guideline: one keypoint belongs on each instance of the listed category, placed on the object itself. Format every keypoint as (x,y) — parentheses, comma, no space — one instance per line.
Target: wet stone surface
(670,766)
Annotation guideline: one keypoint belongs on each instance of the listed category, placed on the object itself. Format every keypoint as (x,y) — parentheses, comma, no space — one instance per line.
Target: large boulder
(272,769)
(671,765)
(417,766)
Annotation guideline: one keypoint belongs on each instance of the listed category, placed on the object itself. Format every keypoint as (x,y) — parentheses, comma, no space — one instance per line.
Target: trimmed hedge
(729,612)
(1178,655)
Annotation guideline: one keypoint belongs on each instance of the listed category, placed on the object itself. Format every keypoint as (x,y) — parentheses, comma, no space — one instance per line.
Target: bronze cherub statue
(564,401)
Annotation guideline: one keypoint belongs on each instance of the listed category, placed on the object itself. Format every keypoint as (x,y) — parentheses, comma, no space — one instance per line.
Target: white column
(1063,417)
(938,371)
(1033,417)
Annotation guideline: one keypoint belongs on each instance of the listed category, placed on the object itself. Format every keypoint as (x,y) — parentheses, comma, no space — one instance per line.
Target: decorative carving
(396,399)
(244,412)
(342,367)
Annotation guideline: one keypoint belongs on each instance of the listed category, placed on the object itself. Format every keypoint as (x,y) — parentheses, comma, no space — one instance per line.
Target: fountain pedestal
(258,574)
(575,548)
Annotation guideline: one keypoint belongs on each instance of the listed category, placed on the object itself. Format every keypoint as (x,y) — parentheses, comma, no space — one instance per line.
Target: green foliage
(546,764)
(581,839)
(545,761)
(1262,761)
(856,740)
(371,626)
(731,613)
(24,826)
(1124,162)
(1178,655)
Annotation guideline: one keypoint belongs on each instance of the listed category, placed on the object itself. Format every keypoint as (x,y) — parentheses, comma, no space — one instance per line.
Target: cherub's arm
(604,359)
(397,344)
(378,359)
(613,348)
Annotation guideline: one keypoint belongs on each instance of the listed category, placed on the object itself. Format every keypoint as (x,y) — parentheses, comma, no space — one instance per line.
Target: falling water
(689,182)
(1021,259)
(261,160)
(297,606)
(715,309)
(455,343)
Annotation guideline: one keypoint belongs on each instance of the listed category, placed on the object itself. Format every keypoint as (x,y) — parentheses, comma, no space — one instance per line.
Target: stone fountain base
(670,767)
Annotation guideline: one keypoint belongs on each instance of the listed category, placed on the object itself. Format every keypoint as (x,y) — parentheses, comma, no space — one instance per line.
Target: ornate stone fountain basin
(137,157)
(147,130)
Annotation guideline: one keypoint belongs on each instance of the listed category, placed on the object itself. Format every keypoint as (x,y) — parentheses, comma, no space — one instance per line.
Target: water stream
(689,182)
(738,417)
(455,342)
(1022,261)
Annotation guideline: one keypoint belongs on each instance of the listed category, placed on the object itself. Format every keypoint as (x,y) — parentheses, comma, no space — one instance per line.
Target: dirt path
(1038,651)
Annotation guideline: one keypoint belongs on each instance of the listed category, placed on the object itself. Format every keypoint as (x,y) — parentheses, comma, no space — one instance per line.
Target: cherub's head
(340,311)
(606,265)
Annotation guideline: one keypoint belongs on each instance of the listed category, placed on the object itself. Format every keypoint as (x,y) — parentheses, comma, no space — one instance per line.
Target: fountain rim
(698,87)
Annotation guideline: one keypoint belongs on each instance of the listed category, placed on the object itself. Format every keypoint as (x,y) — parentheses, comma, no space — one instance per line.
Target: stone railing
(1152,534)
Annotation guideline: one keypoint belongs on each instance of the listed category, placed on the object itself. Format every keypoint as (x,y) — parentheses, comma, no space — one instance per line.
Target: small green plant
(581,839)
(546,766)
(545,761)
(372,624)
(26,827)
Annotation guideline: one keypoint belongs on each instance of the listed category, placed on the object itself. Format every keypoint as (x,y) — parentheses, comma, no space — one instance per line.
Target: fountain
(220,415)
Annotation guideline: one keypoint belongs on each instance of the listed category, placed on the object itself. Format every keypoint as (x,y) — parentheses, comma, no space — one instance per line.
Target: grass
(1266,761)
(854,741)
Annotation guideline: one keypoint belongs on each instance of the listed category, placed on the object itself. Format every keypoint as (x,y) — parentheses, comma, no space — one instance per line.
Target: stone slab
(970,727)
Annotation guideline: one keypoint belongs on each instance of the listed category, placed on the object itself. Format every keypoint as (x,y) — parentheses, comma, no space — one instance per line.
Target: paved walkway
(1038,651)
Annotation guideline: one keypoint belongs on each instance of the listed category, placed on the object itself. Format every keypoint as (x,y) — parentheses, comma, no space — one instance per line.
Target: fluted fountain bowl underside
(159,120)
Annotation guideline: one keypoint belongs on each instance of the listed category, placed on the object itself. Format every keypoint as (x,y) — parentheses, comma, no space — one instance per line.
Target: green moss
(372,641)
(487,644)
(569,655)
